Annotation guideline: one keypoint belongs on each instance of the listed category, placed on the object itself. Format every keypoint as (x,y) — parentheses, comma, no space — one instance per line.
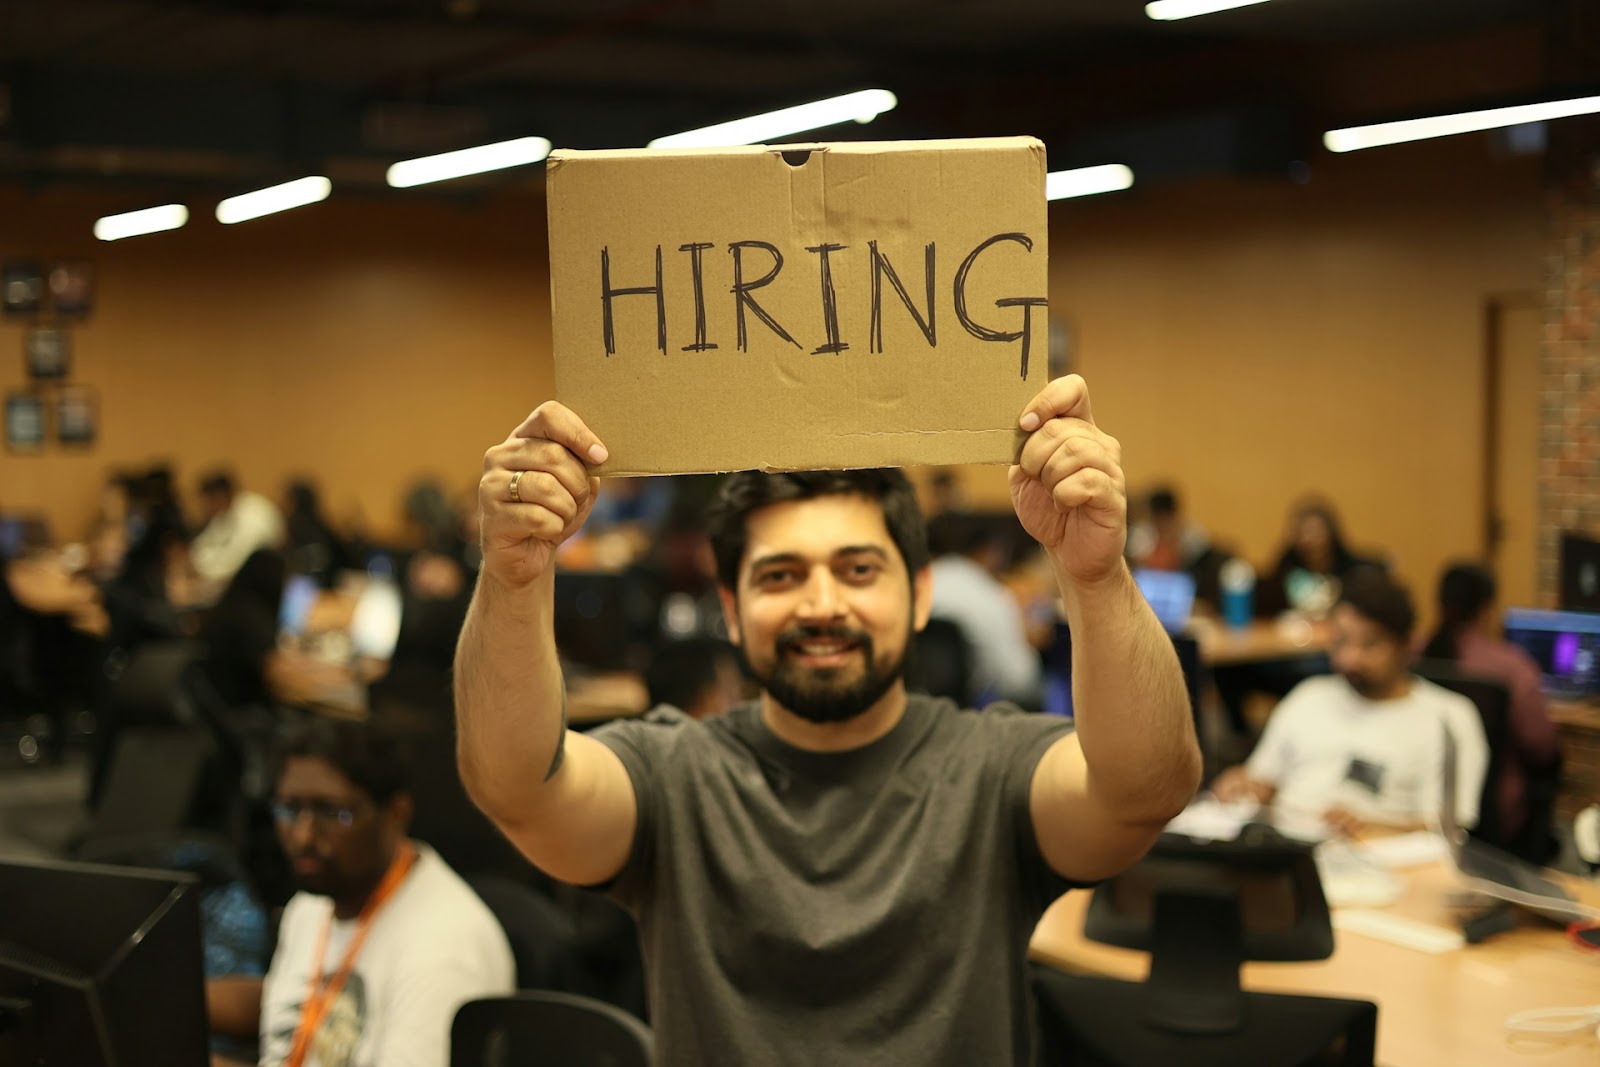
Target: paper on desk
(1209,819)
(1406,850)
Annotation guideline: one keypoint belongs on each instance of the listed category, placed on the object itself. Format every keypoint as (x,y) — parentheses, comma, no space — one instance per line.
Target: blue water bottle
(1238,581)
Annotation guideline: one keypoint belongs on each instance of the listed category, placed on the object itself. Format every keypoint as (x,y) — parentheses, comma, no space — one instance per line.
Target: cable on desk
(1549,1025)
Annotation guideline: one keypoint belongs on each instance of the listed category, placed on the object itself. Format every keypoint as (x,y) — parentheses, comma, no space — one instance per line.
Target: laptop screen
(1170,593)
(1565,645)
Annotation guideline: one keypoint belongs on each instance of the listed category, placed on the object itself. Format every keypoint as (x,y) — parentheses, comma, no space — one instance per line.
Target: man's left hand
(1068,488)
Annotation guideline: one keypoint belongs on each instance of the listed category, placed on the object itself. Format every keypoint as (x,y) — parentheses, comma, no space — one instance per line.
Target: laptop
(1171,595)
(1566,646)
(1498,874)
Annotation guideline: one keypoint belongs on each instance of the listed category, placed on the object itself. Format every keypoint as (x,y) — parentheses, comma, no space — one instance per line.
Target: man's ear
(730,613)
(921,598)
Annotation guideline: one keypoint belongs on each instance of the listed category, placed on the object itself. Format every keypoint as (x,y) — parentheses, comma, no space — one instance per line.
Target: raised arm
(1100,796)
(564,799)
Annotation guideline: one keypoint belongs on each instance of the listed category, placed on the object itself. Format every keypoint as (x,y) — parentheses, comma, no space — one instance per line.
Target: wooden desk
(1578,725)
(1447,1010)
(1260,642)
(601,697)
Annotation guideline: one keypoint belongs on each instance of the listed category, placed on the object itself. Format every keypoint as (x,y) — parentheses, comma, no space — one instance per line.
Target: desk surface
(1261,641)
(1578,714)
(1444,1010)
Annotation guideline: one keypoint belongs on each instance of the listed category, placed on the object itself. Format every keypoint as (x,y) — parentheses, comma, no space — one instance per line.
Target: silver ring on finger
(516,484)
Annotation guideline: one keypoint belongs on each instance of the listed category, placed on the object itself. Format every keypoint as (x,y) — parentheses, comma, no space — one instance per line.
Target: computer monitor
(1171,596)
(1565,644)
(100,967)
(300,592)
(1580,573)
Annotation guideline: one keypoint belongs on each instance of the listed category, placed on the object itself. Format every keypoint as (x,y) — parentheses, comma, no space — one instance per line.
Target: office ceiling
(227,92)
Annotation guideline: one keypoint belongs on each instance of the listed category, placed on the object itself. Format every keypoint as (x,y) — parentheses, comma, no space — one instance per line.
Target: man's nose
(823,598)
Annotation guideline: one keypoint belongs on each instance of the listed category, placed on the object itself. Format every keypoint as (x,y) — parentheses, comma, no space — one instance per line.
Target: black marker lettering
(830,302)
(607,294)
(983,333)
(694,250)
(741,291)
(882,268)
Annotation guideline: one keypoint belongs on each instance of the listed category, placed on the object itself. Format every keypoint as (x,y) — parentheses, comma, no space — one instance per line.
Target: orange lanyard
(318,1002)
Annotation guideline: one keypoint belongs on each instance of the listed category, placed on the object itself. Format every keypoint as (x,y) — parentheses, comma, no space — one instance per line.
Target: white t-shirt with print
(1326,745)
(431,948)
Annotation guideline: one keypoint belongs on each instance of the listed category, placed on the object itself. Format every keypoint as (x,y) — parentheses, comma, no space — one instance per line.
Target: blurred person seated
(1365,745)
(623,525)
(314,547)
(1163,540)
(946,495)
(52,629)
(144,595)
(1309,571)
(699,676)
(971,552)
(1469,636)
(382,942)
(237,522)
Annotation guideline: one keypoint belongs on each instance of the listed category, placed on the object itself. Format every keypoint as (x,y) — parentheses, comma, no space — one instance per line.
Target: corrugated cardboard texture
(771,308)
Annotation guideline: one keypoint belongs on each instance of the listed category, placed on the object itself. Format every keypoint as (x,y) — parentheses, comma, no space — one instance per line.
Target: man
(383,942)
(697,675)
(1366,744)
(971,553)
(237,522)
(836,873)
(1164,541)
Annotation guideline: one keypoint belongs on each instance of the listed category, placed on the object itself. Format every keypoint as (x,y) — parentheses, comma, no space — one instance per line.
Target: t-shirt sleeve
(1019,741)
(1461,718)
(641,744)
(1270,760)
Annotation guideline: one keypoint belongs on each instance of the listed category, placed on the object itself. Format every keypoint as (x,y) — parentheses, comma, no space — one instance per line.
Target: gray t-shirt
(864,907)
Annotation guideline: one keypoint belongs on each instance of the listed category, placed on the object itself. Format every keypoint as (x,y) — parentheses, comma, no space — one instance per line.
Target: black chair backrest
(1492,698)
(540,1029)
(940,663)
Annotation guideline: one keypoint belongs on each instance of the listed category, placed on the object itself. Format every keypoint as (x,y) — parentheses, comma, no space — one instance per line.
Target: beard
(826,694)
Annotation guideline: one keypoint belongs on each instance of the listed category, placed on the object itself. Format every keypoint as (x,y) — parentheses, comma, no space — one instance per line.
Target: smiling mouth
(823,652)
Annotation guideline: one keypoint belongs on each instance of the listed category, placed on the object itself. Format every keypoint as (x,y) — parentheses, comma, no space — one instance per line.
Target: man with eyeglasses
(383,941)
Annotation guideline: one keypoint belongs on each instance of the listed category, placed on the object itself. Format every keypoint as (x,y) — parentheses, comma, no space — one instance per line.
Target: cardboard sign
(804,307)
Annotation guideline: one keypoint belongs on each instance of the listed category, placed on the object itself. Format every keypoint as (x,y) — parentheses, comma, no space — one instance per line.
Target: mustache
(796,636)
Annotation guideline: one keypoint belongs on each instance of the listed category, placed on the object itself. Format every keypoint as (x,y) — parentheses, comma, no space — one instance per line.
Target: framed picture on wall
(24,422)
(77,415)
(49,352)
(21,287)
(72,288)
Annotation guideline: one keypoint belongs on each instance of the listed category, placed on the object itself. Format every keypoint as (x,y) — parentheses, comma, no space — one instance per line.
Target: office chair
(1201,908)
(940,663)
(539,1029)
(1492,698)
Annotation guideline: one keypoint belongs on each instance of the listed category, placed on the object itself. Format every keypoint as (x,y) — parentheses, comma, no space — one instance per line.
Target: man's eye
(862,572)
(772,579)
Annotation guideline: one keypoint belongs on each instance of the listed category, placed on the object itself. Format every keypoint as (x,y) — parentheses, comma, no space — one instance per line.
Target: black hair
(363,752)
(217,482)
(1342,559)
(681,670)
(747,492)
(1465,589)
(1163,502)
(1376,596)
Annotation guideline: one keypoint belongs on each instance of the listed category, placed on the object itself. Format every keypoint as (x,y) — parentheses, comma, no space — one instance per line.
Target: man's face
(337,840)
(1370,658)
(825,609)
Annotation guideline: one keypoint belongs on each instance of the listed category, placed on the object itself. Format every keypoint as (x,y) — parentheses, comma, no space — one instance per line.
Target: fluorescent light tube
(135,223)
(1086,181)
(517,153)
(863,106)
(298,193)
(1172,10)
(1358,137)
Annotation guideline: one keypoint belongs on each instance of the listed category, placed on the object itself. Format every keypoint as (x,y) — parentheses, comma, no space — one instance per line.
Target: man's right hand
(555,493)
(1235,783)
